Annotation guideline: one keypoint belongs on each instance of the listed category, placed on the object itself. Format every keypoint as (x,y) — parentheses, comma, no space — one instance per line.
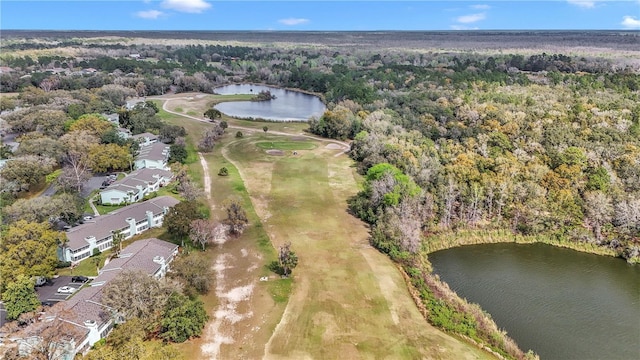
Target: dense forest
(540,145)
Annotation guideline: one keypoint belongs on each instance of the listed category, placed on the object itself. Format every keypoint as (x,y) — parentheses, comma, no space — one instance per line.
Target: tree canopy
(28,249)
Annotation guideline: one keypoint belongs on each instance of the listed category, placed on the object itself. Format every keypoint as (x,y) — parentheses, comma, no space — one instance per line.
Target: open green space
(302,200)
(286,145)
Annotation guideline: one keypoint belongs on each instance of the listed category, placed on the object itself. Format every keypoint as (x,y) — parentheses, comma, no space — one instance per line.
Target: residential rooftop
(102,226)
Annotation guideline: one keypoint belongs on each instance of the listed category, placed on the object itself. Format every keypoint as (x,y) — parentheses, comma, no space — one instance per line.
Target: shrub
(223,171)
(239,134)
(63,264)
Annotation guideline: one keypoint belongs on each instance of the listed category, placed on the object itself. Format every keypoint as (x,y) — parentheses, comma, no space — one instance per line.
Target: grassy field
(286,145)
(345,300)
(348,300)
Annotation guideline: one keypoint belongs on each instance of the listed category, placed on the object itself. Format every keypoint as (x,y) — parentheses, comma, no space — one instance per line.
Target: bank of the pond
(452,239)
(555,301)
(444,309)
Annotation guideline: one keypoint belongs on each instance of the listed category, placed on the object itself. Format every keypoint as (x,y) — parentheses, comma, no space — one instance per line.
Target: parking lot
(49,291)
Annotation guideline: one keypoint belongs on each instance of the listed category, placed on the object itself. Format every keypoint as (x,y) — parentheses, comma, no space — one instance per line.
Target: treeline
(549,162)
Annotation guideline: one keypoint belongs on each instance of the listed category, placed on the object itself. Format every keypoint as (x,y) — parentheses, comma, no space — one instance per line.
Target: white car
(66,290)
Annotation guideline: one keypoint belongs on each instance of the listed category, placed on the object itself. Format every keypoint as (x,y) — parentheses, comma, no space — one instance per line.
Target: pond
(287,106)
(560,303)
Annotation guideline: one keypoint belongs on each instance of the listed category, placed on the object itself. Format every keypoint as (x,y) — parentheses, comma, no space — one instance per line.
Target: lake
(287,106)
(560,303)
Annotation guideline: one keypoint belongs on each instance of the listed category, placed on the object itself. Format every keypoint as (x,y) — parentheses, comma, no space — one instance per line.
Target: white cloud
(481,7)
(293,21)
(150,14)
(462,27)
(630,22)
(586,4)
(467,19)
(188,6)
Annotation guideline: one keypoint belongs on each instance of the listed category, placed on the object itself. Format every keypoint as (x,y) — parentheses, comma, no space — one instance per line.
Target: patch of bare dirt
(275,152)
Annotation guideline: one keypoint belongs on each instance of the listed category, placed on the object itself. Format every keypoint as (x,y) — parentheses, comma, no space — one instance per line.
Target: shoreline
(318,95)
(449,240)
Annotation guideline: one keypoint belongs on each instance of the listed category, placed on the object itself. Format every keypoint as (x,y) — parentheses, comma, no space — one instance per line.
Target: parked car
(40,280)
(87,217)
(66,290)
(79,279)
(47,303)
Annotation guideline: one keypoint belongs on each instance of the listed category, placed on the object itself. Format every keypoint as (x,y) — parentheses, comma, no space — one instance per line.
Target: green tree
(5,151)
(117,238)
(223,171)
(20,297)
(177,153)
(65,207)
(287,259)
(178,220)
(183,318)
(265,129)
(107,157)
(29,249)
(26,171)
(213,114)
(93,124)
(126,341)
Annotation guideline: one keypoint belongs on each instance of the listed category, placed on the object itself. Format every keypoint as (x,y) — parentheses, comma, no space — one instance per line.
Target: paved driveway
(49,291)
(92,184)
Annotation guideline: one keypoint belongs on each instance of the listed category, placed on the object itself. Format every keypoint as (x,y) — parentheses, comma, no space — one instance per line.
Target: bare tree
(449,197)
(76,170)
(136,294)
(202,231)
(210,137)
(50,83)
(55,333)
(627,214)
(598,211)
(236,216)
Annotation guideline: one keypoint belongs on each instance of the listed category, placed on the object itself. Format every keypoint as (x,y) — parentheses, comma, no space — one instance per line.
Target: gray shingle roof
(138,178)
(86,304)
(101,226)
(155,151)
(140,256)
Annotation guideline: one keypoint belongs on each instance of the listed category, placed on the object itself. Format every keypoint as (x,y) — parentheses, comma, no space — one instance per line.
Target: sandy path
(207,178)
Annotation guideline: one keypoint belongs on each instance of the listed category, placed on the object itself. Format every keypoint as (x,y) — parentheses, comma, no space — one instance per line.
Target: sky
(305,15)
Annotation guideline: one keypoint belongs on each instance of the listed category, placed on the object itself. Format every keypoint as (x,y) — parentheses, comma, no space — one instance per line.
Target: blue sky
(319,15)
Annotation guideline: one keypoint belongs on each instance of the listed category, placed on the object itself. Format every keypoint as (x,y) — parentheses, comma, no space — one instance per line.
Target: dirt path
(207,178)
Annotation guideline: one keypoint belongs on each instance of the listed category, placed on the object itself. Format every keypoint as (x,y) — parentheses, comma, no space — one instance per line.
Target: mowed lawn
(348,300)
